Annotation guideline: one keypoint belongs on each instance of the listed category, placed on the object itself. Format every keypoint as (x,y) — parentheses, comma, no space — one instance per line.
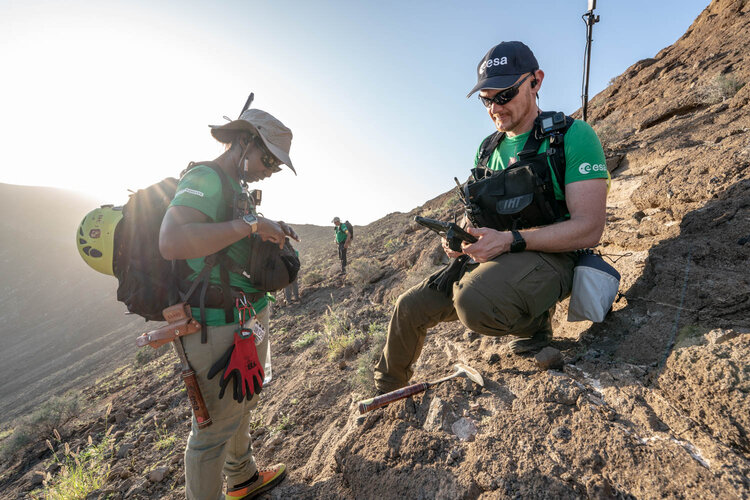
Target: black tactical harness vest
(522,195)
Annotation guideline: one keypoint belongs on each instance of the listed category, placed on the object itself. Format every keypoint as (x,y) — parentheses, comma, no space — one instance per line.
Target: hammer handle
(196,399)
(193,390)
(389,397)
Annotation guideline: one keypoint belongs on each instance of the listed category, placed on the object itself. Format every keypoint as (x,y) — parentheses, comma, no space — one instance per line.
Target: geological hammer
(405,392)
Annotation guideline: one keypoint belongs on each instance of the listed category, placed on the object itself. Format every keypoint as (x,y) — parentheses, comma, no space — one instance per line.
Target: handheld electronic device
(451,231)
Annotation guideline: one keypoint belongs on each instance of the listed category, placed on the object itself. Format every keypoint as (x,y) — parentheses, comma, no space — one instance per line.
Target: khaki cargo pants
(225,445)
(511,294)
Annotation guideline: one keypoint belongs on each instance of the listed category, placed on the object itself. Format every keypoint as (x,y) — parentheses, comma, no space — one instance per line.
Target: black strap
(220,258)
(489,144)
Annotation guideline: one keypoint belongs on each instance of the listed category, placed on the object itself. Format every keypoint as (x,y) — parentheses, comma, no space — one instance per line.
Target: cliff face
(653,402)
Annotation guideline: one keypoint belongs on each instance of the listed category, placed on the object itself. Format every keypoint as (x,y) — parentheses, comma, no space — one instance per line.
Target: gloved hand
(240,364)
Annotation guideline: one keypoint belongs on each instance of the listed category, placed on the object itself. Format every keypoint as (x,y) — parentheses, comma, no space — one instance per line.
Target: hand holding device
(451,231)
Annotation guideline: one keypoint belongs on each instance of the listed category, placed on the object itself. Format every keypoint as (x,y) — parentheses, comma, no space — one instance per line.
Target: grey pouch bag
(595,286)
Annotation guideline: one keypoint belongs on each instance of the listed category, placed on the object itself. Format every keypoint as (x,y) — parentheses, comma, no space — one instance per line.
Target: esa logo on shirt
(587,168)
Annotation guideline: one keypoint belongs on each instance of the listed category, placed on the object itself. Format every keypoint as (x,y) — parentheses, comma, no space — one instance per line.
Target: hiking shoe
(267,479)
(540,339)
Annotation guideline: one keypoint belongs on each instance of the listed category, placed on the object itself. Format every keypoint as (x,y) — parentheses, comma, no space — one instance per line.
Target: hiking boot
(267,479)
(540,339)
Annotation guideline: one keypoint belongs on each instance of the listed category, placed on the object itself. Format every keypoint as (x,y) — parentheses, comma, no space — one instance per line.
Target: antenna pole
(590,19)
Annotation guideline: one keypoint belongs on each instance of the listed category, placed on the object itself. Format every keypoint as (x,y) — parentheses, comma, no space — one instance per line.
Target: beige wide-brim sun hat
(275,135)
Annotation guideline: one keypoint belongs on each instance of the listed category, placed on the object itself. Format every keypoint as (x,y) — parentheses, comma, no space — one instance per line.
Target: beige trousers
(224,446)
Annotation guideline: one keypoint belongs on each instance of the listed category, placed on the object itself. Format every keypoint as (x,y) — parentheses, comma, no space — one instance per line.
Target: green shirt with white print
(200,188)
(584,156)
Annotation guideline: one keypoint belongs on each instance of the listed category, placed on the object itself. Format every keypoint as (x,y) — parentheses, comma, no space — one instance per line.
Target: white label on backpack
(189,191)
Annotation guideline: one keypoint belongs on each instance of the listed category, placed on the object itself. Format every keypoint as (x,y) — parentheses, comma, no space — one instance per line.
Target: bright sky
(107,96)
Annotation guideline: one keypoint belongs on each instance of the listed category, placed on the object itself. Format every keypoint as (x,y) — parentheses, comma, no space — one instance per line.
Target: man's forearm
(564,236)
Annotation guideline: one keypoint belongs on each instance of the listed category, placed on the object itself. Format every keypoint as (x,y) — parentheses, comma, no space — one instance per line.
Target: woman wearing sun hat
(196,226)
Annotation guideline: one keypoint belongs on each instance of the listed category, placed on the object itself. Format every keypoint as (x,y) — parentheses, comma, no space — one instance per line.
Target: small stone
(437,416)
(342,365)
(157,475)
(562,433)
(123,451)
(465,429)
(549,358)
(274,441)
(494,358)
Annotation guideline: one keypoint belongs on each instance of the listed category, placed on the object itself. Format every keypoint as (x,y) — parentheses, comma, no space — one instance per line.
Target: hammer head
(470,373)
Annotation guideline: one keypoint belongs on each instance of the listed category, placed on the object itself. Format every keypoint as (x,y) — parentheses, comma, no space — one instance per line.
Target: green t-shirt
(340,230)
(200,188)
(584,156)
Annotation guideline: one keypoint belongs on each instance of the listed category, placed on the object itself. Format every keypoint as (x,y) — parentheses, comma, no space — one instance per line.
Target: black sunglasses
(267,158)
(505,96)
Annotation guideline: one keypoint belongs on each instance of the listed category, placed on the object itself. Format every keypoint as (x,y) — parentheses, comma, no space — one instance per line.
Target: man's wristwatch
(251,221)
(519,244)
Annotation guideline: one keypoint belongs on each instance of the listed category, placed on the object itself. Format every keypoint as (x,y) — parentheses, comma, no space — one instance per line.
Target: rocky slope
(651,403)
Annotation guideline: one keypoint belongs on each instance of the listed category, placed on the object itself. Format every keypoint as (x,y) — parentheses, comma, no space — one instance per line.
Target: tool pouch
(595,286)
(180,322)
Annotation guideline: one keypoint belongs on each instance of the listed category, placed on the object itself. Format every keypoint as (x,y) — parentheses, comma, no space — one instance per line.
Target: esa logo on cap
(496,61)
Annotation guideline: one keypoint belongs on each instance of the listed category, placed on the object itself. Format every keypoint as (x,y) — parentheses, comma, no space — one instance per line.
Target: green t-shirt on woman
(200,188)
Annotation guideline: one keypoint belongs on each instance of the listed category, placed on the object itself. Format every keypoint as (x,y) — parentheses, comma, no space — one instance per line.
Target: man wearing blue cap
(537,193)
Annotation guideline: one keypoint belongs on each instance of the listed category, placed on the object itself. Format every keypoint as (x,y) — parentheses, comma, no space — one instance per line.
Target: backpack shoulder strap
(553,125)
(489,144)
(219,258)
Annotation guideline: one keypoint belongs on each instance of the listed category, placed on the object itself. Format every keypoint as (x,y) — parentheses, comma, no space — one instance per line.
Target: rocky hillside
(651,403)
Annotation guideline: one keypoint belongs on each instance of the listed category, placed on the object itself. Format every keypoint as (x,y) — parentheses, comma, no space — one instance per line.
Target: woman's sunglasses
(267,158)
(505,96)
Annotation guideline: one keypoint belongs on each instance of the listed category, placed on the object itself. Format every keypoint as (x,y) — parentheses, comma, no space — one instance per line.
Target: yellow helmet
(96,238)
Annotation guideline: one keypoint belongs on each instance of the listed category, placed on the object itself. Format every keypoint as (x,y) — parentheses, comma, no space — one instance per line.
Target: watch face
(250,219)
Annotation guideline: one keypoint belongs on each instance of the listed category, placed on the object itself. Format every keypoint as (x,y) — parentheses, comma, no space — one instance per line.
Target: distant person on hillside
(343,240)
(509,281)
(257,144)
(291,291)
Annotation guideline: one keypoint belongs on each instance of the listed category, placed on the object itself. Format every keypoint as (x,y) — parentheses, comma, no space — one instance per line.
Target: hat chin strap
(242,165)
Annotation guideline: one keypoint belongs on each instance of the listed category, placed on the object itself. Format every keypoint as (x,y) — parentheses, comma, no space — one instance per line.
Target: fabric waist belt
(215,297)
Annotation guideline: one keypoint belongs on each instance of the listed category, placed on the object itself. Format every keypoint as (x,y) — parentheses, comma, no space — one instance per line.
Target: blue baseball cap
(503,65)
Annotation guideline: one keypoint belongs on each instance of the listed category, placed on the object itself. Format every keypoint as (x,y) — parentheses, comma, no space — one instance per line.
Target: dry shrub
(721,88)
(363,271)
